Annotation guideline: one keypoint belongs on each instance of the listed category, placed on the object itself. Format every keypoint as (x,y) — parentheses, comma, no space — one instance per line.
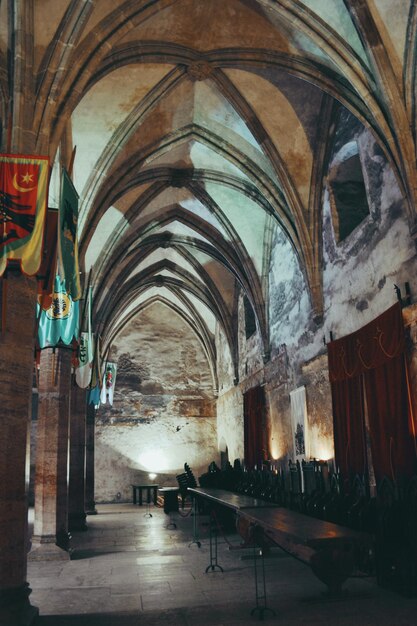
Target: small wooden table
(137,490)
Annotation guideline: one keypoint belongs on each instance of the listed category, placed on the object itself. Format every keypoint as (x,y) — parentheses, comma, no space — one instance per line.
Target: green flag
(85,355)
(68,239)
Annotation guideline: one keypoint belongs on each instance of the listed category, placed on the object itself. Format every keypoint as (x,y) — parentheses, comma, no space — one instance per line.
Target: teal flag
(96,377)
(68,237)
(60,322)
(94,396)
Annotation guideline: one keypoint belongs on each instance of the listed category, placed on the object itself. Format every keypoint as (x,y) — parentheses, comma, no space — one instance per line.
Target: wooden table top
(236,501)
(284,525)
(145,486)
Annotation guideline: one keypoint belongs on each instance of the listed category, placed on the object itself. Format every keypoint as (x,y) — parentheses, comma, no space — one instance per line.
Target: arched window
(250,321)
(348,199)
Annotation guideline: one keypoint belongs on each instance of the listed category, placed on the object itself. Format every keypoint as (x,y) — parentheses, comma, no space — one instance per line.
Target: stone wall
(359,274)
(319,407)
(164,407)
(230,423)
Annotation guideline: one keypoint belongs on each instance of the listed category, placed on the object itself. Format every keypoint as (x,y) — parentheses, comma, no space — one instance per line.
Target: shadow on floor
(168,618)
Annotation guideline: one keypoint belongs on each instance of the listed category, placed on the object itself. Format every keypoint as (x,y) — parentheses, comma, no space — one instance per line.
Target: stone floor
(131,570)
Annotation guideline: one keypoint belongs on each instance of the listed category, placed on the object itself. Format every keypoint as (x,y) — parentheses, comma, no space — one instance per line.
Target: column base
(90,508)
(63,540)
(15,607)
(45,549)
(77,523)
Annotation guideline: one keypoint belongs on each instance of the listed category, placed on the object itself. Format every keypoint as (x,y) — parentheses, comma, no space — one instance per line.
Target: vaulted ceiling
(201,127)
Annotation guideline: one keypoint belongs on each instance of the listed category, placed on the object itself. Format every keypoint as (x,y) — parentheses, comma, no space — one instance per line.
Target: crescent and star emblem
(27,178)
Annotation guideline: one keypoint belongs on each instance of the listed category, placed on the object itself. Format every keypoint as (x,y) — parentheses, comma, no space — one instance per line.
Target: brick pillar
(76,488)
(50,539)
(90,505)
(16,374)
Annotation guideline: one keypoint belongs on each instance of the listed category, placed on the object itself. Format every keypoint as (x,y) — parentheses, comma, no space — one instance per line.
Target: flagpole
(71,163)
(9,129)
(86,297)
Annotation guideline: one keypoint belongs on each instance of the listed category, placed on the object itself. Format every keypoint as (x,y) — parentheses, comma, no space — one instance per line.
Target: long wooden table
(329,549)
(237,503)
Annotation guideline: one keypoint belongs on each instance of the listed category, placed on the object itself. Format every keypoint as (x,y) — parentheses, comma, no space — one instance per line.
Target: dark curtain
(253,413)
(373,358)
(349,427)
(392,444)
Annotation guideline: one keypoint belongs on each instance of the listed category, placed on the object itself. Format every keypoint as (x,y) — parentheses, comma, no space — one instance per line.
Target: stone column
(76,488)
(90,505)
(16,374)
(50,534)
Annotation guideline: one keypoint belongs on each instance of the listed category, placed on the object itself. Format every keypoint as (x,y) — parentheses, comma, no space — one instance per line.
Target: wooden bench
(170,497)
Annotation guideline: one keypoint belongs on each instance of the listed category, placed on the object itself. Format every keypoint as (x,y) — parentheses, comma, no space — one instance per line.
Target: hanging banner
(47,271)
(109,380)
(60,322)
(94,396)
(23,198)
(68,239)
(84,369)
(96,376)
(299,424)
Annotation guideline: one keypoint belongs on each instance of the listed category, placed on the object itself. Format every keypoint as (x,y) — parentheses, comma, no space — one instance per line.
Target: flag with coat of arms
(59,323)
(23,200)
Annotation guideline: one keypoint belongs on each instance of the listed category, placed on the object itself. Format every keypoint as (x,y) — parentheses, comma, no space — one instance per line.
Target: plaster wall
(164,407)
(358,284)
(225,370)
(250,350)
(359,274)
(281,441)
(230,423)
(315,377)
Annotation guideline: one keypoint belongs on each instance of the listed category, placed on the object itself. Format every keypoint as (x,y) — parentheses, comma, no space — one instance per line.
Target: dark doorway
(254,431)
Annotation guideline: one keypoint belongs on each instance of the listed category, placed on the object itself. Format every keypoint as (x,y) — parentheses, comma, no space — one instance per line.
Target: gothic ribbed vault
(203,127)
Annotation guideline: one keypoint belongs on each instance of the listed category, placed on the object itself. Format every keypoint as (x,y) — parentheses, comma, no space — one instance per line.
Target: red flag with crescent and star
(23,199)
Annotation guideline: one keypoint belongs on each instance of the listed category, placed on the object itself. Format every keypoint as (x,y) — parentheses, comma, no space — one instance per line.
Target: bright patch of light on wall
(155,461)
(275,449)
(322,450)
(321,444)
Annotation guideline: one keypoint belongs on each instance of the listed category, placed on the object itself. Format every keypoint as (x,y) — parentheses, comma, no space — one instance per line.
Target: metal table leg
(195,524)
(260,584)
(213,545)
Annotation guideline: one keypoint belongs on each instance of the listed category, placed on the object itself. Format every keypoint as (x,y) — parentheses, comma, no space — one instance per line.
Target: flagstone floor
(129,569)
